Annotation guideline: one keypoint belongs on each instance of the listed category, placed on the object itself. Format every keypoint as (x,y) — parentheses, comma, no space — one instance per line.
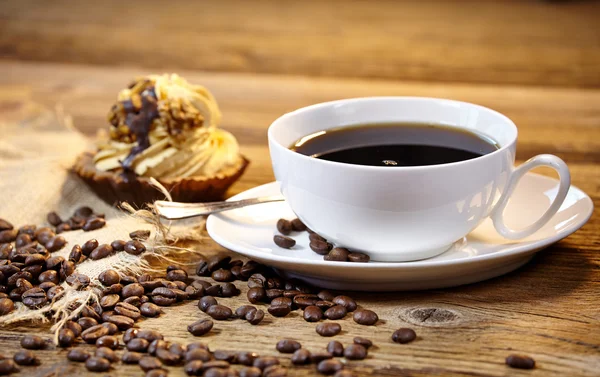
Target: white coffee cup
(403,213)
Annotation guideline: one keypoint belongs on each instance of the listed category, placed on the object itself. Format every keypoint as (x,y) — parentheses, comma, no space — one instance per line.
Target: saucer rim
(511,250)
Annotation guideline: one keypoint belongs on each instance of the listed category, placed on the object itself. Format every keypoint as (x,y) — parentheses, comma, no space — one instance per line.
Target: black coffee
(395,144)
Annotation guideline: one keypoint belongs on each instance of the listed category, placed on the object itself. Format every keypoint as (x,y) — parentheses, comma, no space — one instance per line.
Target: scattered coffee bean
(205,302)
(78,281)
(97,364)
(22,240)
(298,225)
(200,327)
(355,352)
(167,357)
(148,362)
(116,289)
(34,298)
(317,357)
(305,300)
(86,322)
(363,342)
(250,372)
(55,243)
(218,261)
(315,237)
(6,306)
(312,314)
(133,289)
(25,357)
(358,257)
(140,235)
(164,296)
(128,279)
(279,310)
(149,309)
(106,353)
(109,341)
(324,305)
(256,295)
(5,225)
(150,335)
(93,224)
(9,235)
(197,354)
(346,302)
(221,364)
(122,322)
(335,312)
(83,212)
(66,337)
(64,227)
(134,247)
(194,368)
(365,317)
(157,373)
(288,346)
(109,301)
(282,301)
(301,357)
(75,254)
(177,275)
(284,242)
(109,277)
(254,317)
(272,293)
(520,362)
(246,358)
(275,371)
(194,292)
(202,269)
(130,357)
(335,348)
(328,367)
(243,310)
(155,345)
(78,355)
(177,349)
(111,327)
(89,246)
(404,335)
(7,366)
(222,275)
(265,361)
(74,327)
(32,342)
(128,310)
(92,334)
(228,356)
(118,245)
(337,254)
(101,251)
(284,226)
(219,312)
(328,329)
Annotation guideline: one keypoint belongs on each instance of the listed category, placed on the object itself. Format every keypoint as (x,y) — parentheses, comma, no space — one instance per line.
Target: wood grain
(521,42)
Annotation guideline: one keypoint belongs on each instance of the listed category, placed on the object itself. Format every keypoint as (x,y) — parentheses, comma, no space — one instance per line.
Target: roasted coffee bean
(301,357)
(520,362)
(140,235)
(43,235)
(5,225)
(229,290)
(228,356)
(64,227)
(32,342)
(404,335)
(148,362)
(275,282)
(320,247)
(7,367)
(328,329)
(22,283)
(133,289)
(315,237)
(34,259)
(219,312)
(9,235)
(284,242)
(303,300)
(78,281)
(346,302)
(355,352)
(15,294)
(118,245)
(194,368)
(129,335)
(87,322)
(250,372)
(337,254)
(134,247)
(363,342)
(168,284)
(163,296)
(149,309)
(197,345)
(365,317)
(312,314)
(55,243)
(288,346)
(271,293)
(34,298)
(92,334)
(157,344)
(193,292)
(128,279)
(335,312)
(282,301)
(215,372)
(275,371)
(75,254)
(335,348)
(108,341)
(249,268)
(157,373)
(358,257)
(54,219)
(22,240)
(78,355)
(94,223)
(66,337)
(74,327)
(243,310)
(109,301)
(130,357)
(279,310)
(8,269)
(150,335)
(218,261)
(256,295)
(138,345)
(298,225)
(291,293)
(284,226)
(34,270)
(25,357)
(151,285)
(205,302)
(109,277)
(177,349)
(122,322)
(257,281)
(6,306)
(254,317)
(197,354)
(12,280)
(246,358)
(201,283)
(330,366)
(177,275)
(236,271)
(265,362)
(83,212)
(116,289)
(128,310)
(111,327)
(75,223)
(202,268)
(97,364)
(101,251)
(324,305)
(222,275)
(89,246)
(106,353)
(202,326)
(317,357)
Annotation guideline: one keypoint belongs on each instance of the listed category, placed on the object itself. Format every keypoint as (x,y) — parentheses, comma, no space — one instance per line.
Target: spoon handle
(176,210)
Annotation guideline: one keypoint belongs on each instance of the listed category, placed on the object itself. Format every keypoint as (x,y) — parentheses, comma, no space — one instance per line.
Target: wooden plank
(521,42)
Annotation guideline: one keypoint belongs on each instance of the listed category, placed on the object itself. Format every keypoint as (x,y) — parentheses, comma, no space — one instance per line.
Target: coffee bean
(284,242)
(249,268)
(133,289)
(109,277)
(317,357)
(130,357)
(93,224)
(97,364)
(128,310)
(197,354)
(148,362)
(275,371)
(87,322)
(78,281)
(140,235)
(236,271)
(32,342)
(335,312)
(122,322)
(222,275)
(205,302)
(157,344)
(164,296)
(167,357)
(298,225)
(89,246)
(149,309)
(219,312)
(150,335)
(118,245)
(256,295)
(312,314)
(12,280)
(279,310)
(7,367)
(201,327)
(22,240)
(111,327)
(108,341)
(328,329)
(335,348)
(109,301)
(404,335)
(129,335)
(64,227)
(320,247)
(101,251)
(328,367)
(228,356)
(303,300)
(75,254)
(288,346)
(218,261)
(9,235)
(338,254)
(116,289)
(194,368)
(520,362)
(134,247)
(272,293)
(177,275)
(284,226)
(78,355)
(74,327)
(157,373)
(346,302)
(177,349)
(358,257)
(138,345)
(55,243)
(246,358)
(84,212)
(106,353)
(128,279)
(6,306)
(265,362)
(257,281)
(250,372)
(301,357)
(282,301)
(363,342)
(243,310)
(25,357)
(34,298)
(202,268)
(92,334)
(54,219)
(355,352)
(324,305)
(66,337)
(365,317)
(197,345)
(254,317)
(5,225)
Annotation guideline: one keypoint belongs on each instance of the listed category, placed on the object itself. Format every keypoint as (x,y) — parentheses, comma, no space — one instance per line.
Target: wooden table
(537,62)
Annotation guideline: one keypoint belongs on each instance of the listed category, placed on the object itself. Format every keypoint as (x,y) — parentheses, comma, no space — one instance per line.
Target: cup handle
(497,214)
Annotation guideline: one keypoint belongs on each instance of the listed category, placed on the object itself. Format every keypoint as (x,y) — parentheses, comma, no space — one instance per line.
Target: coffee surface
(395,144)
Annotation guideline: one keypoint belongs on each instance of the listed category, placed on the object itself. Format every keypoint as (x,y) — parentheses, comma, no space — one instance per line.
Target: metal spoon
(175,210)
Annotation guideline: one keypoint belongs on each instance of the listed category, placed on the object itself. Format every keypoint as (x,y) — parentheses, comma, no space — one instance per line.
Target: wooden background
(537,62)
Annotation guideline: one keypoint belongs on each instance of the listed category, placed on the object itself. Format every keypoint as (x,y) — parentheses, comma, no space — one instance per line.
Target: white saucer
(481,255)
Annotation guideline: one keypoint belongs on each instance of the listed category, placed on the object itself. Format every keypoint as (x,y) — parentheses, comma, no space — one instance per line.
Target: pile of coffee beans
(317,244)
(83,218)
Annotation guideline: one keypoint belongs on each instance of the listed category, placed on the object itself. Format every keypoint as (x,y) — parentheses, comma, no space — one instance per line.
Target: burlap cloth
(37,149)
